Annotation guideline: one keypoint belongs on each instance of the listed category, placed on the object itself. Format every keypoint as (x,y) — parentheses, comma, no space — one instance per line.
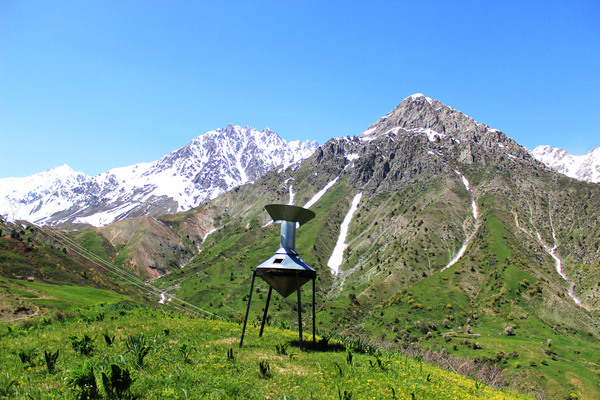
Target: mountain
(432,229)
(585,167)
(208,166)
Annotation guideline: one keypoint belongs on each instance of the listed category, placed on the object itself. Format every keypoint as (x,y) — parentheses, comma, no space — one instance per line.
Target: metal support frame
(262,324)
(264,319)
(248,308)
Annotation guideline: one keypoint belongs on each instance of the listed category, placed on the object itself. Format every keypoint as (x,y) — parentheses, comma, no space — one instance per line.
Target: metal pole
(314,319)
(299,311)
(262,325)
(247,309)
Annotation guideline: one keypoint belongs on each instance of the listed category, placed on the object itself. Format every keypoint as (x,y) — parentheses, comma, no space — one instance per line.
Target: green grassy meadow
(163,355)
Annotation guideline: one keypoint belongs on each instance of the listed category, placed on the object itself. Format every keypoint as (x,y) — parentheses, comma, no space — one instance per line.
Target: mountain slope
(208,166)
(459,234)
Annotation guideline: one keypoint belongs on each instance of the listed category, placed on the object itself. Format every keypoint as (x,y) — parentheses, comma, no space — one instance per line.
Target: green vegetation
(271,365)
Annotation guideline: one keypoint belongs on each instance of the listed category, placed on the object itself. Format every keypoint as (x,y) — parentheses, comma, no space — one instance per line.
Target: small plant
(138,348)
(186,352)
(51,361)
(345,395)
(339,369)
(349,355)
(83,345)
(281,348)
(85,381)
(108,339)
(264,369)
(230,355)
(377,363)
(27,357)
(393,392)
(117,385)
(6,386)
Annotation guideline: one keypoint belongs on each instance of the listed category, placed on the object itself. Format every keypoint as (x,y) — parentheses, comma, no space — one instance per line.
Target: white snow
(337,256)
(558,263)
(205,168)
(417,96)
(475,213)
(106,217)
(320,193)
(292,195)
(352,157)
(585,167)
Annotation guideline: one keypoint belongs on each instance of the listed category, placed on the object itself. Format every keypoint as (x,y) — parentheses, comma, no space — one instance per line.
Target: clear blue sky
(102,84)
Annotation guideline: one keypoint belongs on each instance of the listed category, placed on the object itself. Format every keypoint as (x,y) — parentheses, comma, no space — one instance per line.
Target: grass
(60,296)
(214,367)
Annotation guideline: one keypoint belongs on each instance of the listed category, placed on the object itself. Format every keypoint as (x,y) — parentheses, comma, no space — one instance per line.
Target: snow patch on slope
(337,256)
(469,236)
(320,193)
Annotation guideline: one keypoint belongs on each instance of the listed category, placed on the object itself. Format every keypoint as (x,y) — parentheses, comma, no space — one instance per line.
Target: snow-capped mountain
(208,166)
(584,168)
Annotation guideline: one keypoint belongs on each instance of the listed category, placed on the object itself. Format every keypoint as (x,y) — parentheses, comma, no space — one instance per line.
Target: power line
(133,279)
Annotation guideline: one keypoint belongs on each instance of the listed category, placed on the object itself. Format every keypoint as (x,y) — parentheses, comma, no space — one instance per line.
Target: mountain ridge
(206,167)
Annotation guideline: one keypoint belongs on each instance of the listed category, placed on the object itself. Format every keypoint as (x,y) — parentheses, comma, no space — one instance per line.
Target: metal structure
(285,272)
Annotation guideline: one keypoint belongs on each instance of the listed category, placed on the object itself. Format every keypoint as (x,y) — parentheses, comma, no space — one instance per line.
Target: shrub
(83,345)
(51,360)
(85,381)
(264,369)
(6,386)
(138,348)
(27,357)
(281,348)
(117,385)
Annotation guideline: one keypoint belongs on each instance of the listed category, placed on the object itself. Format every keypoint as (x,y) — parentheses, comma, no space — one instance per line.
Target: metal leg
(299,312)
(248,308)
(262,325)
(313,310)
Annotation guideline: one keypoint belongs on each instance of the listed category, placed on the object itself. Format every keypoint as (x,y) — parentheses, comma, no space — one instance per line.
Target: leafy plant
(117,385)
(84,380)
(51,360)
(27,357)
(345,395)
(108,339)
(83,345)
(230,355)
(281,348)
(349,355)
(186,351)
(138,347)
(264,369)
(6,385)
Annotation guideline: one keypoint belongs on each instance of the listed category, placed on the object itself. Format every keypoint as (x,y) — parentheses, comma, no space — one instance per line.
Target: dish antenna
(285,272)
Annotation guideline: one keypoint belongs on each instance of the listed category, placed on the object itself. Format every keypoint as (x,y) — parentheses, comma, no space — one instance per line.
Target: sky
(104,84)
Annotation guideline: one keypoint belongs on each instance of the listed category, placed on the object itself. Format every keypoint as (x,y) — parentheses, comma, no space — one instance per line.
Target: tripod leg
(247,309)
(299,312)
(262,325)
(313,310)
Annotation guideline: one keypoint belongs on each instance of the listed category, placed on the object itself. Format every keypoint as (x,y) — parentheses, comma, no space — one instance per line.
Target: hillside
(61,280)
(461,241)
(133,352)
(460,237)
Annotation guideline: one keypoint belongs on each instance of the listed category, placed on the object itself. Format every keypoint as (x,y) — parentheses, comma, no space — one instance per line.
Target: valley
(431,230)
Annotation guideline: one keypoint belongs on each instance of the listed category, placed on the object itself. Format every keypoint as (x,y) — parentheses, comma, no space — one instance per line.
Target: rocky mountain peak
(418,112)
